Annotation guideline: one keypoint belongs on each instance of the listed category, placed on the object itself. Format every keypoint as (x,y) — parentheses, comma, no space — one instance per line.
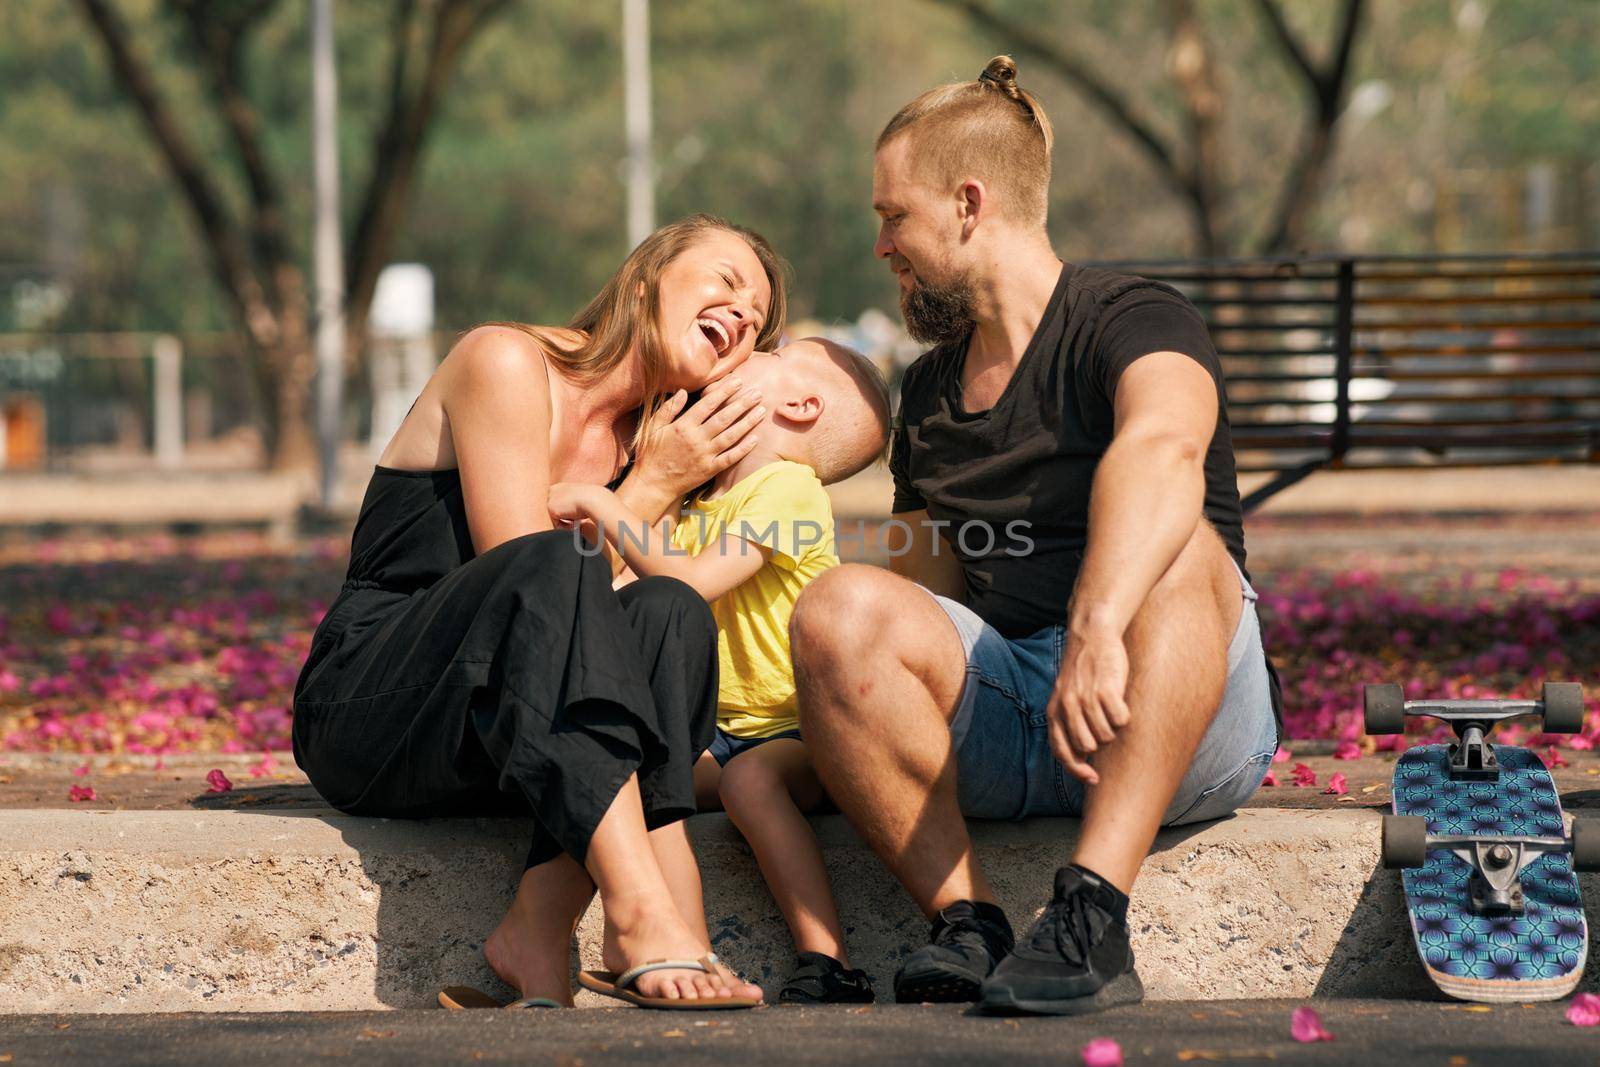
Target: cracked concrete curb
(241,911)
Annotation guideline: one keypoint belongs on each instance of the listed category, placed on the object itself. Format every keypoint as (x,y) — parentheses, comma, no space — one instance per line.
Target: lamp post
(636,118)
(327,252)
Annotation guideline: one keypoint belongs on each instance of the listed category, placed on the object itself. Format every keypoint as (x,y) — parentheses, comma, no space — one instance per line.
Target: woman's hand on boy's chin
(684,448)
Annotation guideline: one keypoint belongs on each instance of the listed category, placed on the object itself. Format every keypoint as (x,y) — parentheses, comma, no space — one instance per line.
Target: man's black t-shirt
(1022,470)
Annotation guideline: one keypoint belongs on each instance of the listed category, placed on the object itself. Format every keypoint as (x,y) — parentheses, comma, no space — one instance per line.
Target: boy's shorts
(725,746)
(1004,766)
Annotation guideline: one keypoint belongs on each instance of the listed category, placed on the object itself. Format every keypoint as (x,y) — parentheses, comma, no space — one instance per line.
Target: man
(1063,460)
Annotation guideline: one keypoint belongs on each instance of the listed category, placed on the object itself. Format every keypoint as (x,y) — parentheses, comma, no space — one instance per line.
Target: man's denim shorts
(1004,766)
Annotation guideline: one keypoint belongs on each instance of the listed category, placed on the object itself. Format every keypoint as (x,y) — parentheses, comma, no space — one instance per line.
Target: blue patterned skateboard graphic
(1537,955)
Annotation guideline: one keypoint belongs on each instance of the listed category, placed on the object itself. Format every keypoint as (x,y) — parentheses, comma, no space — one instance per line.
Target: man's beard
(937,314)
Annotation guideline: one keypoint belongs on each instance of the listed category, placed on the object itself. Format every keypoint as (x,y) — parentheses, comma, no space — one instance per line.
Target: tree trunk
(1190,67)
(252,261)
(295,445)
(292,442)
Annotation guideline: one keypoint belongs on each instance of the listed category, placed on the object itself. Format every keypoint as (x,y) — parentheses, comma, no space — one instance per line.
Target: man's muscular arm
(927,558)
(1148,497)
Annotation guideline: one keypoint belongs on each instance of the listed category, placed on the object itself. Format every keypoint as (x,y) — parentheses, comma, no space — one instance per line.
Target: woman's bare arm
(497,401)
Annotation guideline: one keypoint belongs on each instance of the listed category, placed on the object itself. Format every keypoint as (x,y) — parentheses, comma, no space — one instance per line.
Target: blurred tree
(254,260)
(1188,163)
(766,113)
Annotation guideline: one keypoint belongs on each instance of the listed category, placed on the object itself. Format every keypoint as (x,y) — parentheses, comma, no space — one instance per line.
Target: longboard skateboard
(1487,865)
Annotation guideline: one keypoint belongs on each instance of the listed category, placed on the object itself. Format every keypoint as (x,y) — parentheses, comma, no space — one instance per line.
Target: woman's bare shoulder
(494,349)
(492,375)
(497,350)
(493,360)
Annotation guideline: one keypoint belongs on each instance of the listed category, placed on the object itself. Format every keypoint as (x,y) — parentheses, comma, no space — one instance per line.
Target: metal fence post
(1343,330)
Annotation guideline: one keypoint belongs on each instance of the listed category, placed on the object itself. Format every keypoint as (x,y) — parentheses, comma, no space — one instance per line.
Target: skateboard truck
(1497,860)
(1472,757)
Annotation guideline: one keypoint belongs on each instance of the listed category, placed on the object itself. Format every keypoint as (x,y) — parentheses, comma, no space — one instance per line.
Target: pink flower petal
(1584,1010)
(1304,776)
(79,772)
(80,792)
(1347,750)
(1282,755)
(1102,1052)
(1336,786)
(218,781)
(1306,1026)
(1270,780)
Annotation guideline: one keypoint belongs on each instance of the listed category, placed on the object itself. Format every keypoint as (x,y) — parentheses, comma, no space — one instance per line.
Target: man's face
(919,233)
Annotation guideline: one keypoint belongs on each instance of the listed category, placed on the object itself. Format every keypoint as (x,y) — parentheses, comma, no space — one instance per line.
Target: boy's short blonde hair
(854,428)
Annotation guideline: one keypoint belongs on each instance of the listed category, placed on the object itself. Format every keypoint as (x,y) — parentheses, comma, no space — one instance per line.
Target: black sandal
(820,979)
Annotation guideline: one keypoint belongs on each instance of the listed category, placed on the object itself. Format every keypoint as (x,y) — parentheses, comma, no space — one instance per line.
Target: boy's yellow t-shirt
(782,507)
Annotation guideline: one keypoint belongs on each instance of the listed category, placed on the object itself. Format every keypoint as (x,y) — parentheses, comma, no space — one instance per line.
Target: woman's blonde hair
(987,128)
(627,310)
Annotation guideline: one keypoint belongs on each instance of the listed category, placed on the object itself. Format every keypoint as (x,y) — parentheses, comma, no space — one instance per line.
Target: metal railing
(87,395)
(1362,362)
(1383,362)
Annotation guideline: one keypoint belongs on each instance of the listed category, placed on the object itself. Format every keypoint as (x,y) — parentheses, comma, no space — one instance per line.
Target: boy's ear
(806,408)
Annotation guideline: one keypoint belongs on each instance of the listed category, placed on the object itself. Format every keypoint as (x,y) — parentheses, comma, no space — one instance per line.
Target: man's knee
(842,610)
(844,623)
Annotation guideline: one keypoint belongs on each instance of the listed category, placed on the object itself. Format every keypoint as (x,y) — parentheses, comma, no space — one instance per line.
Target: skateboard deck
(1538,954)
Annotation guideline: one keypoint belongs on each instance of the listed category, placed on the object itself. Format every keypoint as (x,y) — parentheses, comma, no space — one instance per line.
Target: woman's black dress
(441,682)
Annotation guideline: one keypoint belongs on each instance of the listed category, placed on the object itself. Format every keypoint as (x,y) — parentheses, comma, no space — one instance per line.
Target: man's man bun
(1001,72)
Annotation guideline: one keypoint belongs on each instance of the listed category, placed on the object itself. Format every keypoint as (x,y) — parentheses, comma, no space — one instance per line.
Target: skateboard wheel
(1585,845)
(1563,707)
(1405,841)
(1385,708)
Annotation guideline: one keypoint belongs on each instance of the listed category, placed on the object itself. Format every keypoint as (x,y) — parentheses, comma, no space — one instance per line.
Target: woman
(476,660)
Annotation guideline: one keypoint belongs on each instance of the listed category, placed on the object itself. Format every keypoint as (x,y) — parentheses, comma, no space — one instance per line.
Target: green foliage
(765,113)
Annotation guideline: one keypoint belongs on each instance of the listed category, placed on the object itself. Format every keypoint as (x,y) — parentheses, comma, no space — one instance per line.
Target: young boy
(749,545)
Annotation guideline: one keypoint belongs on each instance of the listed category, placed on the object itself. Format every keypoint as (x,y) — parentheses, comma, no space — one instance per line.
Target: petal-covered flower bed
(159,645)
(1453,636)
(156,645)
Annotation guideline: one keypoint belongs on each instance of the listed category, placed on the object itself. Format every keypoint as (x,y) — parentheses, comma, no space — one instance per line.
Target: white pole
(636,113)
(167,354)
(327,253)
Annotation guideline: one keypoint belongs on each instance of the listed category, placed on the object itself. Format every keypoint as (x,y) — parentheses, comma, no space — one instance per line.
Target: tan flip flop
(620,986)
(464,997)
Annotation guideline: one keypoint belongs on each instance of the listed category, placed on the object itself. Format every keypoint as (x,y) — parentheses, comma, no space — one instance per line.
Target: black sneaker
(821,979)
(1075,960)
(969,938)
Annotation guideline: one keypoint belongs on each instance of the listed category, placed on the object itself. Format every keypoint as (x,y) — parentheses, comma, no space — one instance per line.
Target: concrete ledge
(233,910)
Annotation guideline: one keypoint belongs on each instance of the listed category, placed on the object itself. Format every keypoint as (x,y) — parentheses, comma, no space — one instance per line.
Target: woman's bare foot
(637,933)
(531,948)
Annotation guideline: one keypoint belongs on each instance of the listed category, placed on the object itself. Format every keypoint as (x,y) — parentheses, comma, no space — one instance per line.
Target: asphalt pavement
(1364,1032)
